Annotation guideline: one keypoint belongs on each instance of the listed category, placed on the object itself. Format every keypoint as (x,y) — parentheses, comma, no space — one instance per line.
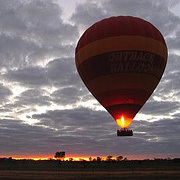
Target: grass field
(52,170)
(127,175)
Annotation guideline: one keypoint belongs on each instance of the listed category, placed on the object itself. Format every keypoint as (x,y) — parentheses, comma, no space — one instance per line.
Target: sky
(45,107)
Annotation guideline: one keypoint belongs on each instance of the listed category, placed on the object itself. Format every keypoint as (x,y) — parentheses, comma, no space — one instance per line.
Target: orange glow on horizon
(124,122)
(79,158)
(74,158)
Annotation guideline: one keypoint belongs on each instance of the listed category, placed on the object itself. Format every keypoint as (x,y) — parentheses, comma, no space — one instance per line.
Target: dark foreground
(52,170)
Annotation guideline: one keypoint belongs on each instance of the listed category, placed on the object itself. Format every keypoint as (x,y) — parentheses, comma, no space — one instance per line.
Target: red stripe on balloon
(123,96)
(127,110)
(119,26)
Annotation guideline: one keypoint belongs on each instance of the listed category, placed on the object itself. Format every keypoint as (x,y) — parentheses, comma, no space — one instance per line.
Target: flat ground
(52,170)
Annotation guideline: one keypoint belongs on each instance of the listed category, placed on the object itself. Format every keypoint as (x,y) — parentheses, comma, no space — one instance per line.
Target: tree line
(61,156)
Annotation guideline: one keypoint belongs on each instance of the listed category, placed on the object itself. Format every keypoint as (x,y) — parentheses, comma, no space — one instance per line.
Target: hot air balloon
(121,61)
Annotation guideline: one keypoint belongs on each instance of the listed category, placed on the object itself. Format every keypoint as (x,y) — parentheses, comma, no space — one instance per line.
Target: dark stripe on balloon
(112,82)
(122,62)
(128,110)
(123,96)
(121,43)
(119,26)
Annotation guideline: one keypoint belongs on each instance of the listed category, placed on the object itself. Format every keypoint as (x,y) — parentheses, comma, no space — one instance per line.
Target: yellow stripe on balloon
(121,43)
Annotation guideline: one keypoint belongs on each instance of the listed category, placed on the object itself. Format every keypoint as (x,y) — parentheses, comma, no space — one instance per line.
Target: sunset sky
(44,105)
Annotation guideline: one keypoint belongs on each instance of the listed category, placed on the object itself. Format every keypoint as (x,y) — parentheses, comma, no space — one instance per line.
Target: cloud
(166,24)
(57,73)
(174,42)
(88,13)
(67,95)
(24,140)
(62,71)
(32,31)
(160,108)
(94,131)
(31,76)
(169,86)
(37,57)
(5,92)
(33,97)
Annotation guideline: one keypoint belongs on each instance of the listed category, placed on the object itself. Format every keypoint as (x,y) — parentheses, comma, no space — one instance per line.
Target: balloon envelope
(121,61)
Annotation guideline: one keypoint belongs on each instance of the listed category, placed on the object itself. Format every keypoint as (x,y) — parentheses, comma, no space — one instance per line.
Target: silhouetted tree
(70,159)
(109,158)
(98,159)
(60,155)
(176,160)
(90,158)
(10,158)
(119,158)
